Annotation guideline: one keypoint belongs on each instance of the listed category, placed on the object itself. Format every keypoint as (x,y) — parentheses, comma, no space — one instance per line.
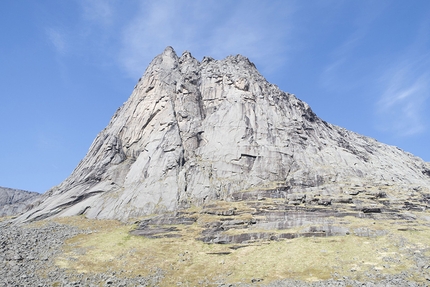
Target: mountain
(193,133)
(15,201)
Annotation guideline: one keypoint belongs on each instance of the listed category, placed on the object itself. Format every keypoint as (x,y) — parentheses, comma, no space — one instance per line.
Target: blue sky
(66,66)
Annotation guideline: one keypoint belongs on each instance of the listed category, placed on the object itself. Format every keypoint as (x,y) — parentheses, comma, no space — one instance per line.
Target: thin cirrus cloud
(334,76)
(244,32)
(57,39)
(255,29)
(400,78)
(401,107)
(98,11)
(144,35)
(215,29)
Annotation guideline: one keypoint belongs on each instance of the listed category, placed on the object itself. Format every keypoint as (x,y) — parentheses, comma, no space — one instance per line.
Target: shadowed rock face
(192,132)
(15,201)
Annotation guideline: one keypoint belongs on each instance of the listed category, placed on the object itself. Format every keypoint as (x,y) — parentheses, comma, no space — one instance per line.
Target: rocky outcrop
(264,215)
(193,132)
(15,201)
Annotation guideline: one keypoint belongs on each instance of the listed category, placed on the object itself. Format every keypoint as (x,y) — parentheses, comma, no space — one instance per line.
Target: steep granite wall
(196,131)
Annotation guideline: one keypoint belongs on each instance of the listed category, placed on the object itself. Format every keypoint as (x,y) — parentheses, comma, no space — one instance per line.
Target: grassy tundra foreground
(402,248)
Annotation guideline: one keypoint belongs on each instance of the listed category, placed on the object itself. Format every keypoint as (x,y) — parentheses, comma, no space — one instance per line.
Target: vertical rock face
(14,201)
(196,131)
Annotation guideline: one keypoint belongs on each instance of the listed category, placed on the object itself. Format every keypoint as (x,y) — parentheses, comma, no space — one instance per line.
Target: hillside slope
(15,201)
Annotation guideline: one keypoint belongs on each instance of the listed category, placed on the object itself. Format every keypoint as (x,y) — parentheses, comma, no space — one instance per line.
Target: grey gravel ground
(27,254)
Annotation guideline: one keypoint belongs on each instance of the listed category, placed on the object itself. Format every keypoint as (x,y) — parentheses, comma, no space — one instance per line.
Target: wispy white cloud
(343,56)
(146,35)
(259,30)
(213,28)
(57,39)
(98,11)
(401,107)
(400,79)
(89,36)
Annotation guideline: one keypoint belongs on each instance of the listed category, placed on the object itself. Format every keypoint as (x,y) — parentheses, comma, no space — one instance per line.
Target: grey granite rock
(15,201)
(192,132)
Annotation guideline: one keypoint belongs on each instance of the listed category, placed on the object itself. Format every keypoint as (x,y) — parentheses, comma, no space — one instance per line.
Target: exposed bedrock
(263,215)
(193,132)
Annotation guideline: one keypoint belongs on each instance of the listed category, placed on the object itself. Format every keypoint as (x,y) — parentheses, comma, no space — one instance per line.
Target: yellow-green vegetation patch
(5,218)
(189,261)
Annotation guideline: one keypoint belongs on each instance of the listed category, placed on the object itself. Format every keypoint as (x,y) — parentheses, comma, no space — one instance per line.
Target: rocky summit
(200,133)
